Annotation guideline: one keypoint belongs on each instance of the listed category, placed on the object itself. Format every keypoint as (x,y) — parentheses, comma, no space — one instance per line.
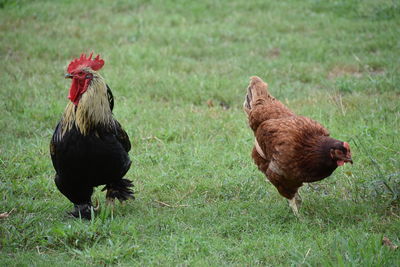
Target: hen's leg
(286,188)
(295,204)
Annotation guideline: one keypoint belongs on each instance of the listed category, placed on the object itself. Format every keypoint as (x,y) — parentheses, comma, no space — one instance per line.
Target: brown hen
(290,149)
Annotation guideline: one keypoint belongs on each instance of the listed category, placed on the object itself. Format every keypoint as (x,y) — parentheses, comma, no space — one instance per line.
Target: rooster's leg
(295,203)
(110,201)
(78,194)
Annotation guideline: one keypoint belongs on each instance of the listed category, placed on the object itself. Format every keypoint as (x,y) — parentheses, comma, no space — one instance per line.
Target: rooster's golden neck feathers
(93,108)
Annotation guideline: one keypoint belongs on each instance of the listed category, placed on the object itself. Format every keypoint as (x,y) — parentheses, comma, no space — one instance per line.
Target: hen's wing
(286,140)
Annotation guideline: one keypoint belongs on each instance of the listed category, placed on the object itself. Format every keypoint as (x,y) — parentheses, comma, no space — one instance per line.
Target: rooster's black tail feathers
(120,190)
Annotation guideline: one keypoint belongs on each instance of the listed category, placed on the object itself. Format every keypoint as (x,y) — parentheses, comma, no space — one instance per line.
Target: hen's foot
(83,211)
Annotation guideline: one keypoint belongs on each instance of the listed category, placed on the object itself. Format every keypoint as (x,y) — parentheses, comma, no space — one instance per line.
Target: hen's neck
(319,163)
(93,109)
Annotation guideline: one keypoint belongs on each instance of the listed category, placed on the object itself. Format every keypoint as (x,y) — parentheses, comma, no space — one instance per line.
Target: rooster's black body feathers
(84,161)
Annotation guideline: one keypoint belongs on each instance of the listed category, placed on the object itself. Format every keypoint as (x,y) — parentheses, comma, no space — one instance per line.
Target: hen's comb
(82,62)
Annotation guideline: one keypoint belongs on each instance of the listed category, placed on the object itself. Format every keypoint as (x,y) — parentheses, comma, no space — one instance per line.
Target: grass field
(178,70)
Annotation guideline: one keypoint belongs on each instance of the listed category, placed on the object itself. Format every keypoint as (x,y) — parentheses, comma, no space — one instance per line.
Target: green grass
(335,61)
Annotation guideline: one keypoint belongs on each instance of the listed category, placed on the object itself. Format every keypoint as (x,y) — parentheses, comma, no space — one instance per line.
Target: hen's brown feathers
(296,149)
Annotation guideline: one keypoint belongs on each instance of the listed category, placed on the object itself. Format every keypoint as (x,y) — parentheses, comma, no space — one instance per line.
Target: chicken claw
(83,211)
(97,205)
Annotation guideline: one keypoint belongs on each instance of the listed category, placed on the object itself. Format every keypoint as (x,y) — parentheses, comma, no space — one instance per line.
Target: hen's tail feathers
(256,90)
(120,190)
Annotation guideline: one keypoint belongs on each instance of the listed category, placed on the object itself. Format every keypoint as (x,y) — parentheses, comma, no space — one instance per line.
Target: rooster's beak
(349,160)
(68,76)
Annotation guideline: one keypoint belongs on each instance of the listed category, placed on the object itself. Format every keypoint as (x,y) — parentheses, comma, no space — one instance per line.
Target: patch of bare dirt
(351,70)
(340,71)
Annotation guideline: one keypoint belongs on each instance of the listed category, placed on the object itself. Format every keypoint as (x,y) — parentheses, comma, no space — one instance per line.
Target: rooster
(89,147)
(290,149)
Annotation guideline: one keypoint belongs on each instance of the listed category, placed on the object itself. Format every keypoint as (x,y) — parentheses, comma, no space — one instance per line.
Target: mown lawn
(178,70)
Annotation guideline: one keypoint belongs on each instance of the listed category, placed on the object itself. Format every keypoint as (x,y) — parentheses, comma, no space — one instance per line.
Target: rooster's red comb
(82,62)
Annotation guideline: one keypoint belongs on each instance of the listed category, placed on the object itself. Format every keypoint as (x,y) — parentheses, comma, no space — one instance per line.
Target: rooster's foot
(83,211)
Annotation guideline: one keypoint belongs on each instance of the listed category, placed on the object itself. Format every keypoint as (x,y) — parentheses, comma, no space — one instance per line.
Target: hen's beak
(348,157)
(68,76)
